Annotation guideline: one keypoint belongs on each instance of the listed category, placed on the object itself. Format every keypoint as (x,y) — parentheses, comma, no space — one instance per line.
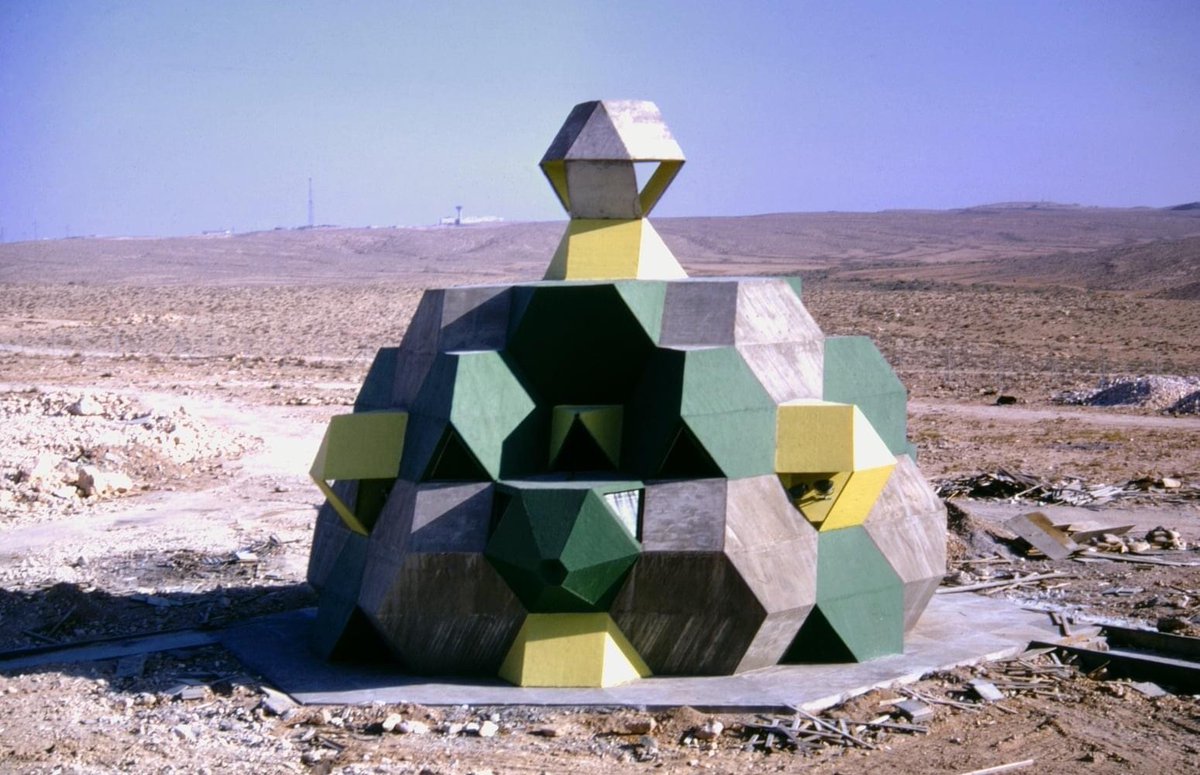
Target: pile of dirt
(61,451)
(1152,391)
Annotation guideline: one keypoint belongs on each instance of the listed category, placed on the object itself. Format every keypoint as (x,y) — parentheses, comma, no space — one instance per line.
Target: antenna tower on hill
(310,204)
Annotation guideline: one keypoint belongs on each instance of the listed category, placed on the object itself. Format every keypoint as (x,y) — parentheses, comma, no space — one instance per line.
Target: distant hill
(992,243)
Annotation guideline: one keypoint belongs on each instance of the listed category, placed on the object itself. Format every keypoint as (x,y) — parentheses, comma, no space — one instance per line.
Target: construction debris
(1040,533)
(1015,486)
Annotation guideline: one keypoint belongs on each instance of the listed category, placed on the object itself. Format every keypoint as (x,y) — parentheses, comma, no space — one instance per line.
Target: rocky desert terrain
(162,400)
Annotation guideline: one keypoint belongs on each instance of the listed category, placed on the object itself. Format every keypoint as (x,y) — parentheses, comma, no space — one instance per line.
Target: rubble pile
(61,451)
(1072,491)
(1158,539)
(1164,393)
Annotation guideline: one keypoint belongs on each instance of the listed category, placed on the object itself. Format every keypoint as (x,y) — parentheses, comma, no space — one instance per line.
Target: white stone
(412,727)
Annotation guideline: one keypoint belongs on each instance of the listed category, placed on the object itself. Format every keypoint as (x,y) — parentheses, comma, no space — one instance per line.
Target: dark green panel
(817,642)
(857,373)
(369,499)
(491,405)
(652,416)
(687,459)
(578,343)
(560,549)
(377,388)
(339,596)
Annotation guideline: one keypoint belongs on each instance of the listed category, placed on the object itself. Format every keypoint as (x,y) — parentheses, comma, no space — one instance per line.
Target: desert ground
(162,400)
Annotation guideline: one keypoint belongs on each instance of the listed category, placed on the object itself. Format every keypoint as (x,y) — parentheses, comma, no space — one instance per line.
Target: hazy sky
(162,118)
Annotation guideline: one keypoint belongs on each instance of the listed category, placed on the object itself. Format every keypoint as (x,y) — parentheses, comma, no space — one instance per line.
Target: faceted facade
(617,471)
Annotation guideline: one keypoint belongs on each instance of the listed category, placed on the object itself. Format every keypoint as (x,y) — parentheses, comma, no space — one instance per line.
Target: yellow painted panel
(363,445)
(812,503)
(657,184)
(604,423)
(655,259)
(341,508)
(859,495)
(556,173)
(597,249)
(813,436)
(571,650)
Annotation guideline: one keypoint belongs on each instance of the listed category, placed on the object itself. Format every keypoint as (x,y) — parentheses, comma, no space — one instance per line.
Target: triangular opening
(453,461)
(687,459)
(580,451)
(360,642)
(817,642)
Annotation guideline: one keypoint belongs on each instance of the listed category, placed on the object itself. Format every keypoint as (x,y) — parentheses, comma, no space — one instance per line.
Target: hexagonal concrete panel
(688,613)
(775,551)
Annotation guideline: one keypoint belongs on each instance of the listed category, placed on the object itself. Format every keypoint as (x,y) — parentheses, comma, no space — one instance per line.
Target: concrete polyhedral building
(618,472)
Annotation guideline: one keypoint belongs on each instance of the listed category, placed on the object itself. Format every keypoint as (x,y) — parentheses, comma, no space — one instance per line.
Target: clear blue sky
(162,118)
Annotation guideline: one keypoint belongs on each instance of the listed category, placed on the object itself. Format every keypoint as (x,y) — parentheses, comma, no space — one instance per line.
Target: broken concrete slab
(1040,533)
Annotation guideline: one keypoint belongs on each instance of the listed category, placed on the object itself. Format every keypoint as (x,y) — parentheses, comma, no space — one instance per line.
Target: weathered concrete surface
(955,630)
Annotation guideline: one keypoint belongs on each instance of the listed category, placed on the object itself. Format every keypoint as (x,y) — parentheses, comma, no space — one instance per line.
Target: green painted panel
(717,380)
(490,404)
(578,343)
(857,373)
(453,461)
(741,443)
(859,594)
(645,300)
(561,549)
(687,458)
(796,285)
(339,596)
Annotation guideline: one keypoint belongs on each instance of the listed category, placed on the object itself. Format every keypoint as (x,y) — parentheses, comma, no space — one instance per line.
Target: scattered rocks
(1179,395)
(412,727)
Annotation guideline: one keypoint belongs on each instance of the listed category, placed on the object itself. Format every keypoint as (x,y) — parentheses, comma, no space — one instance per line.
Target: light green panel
(859,594)
(645,300)
(856,373)
(489,404)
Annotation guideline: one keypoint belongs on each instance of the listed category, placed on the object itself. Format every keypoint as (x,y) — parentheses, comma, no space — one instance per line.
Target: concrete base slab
(955,630)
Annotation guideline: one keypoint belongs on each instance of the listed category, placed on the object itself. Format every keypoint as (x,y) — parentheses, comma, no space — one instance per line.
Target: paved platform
(956,629)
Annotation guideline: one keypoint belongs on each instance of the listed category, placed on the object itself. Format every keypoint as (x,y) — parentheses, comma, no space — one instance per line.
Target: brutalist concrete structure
(618,472)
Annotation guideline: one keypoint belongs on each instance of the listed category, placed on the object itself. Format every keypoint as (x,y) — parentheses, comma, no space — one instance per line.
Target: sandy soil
(242,347)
